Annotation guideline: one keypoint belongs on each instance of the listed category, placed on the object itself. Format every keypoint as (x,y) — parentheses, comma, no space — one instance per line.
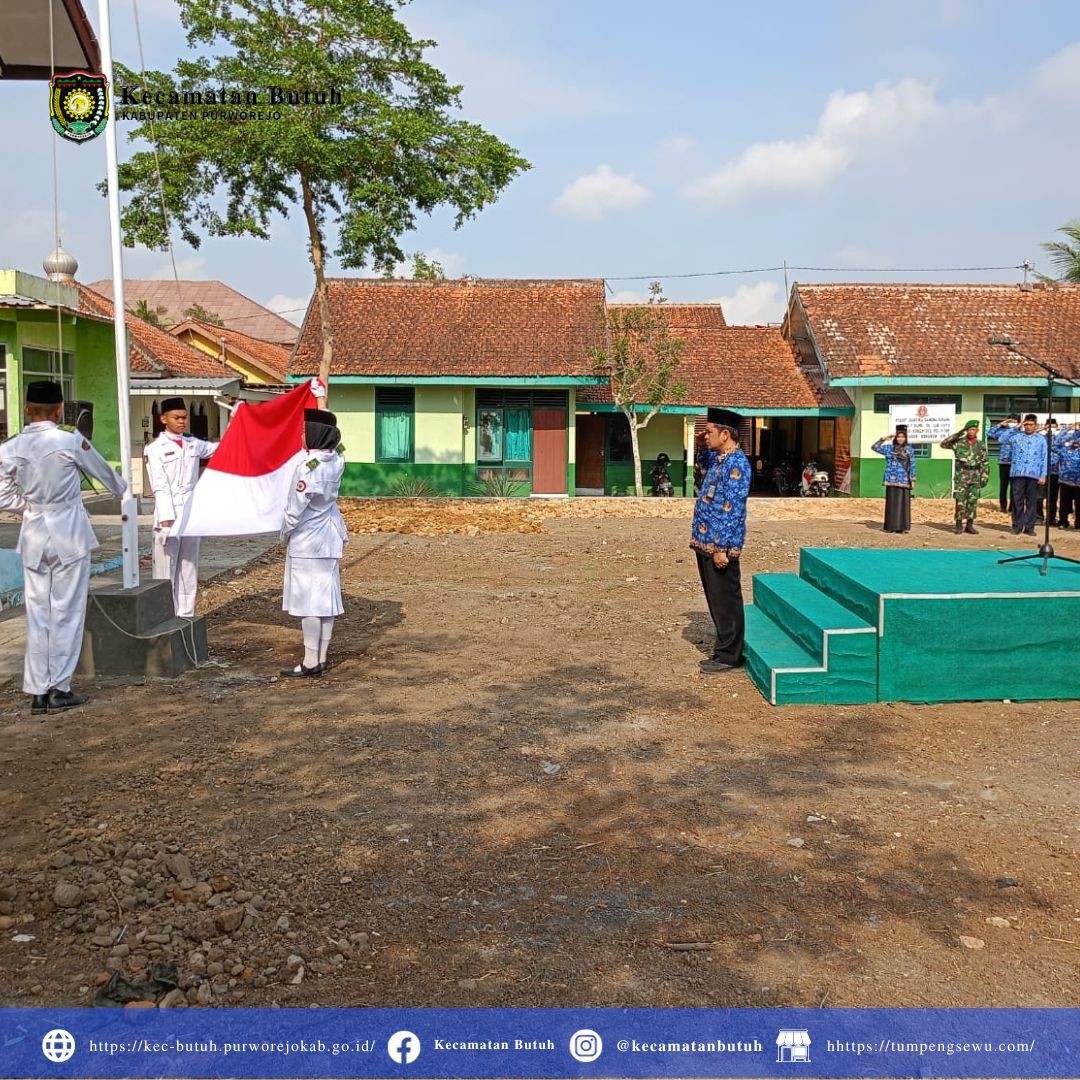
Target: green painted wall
(95,380)
(367,478)
(91,343)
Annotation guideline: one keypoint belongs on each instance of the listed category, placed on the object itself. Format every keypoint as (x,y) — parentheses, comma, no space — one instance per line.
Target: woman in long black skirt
(899,480)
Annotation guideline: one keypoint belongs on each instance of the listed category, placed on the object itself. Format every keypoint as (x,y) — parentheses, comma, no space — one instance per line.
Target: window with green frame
(38,364)
(997,406)
(504,433)
(395,424)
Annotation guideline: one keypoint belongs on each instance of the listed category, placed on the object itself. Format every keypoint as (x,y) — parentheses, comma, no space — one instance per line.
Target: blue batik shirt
(897,474)
(1029,457)
(1004,449)
(1068,447)
(720,511)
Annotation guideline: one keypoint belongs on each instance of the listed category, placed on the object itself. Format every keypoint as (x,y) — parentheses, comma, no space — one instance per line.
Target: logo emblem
(58,1045)
(403,1047)
(79,105)
(586,1045)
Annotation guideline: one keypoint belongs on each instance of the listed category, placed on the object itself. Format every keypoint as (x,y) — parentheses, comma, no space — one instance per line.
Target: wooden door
(549,451)
(590,451)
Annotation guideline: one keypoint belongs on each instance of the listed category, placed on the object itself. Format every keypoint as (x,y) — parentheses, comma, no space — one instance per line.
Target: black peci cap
(44,393)
(320,416)
(172,404)
(724,418)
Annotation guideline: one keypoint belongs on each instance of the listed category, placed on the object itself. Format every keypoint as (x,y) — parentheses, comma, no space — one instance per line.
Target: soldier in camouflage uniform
(971,473)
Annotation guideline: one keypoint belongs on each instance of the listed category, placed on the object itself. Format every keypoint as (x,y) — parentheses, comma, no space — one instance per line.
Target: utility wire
(818,269)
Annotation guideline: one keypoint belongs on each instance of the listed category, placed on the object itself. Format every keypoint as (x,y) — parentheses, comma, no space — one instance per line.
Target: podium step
(804,647)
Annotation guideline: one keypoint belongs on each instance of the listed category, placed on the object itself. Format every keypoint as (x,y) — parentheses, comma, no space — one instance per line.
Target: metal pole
(129,513)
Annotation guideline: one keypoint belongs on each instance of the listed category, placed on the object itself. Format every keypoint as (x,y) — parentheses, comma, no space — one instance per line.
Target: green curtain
(395,436)
(518,435)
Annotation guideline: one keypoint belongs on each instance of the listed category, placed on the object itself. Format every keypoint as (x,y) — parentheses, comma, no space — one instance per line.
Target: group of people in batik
(41,470)
(1039,470)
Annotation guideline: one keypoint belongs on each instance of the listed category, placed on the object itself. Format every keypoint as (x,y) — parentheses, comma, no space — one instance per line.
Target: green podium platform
(871,624)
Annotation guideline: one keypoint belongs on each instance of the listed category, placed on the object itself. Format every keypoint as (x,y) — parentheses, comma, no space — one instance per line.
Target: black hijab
(321,436)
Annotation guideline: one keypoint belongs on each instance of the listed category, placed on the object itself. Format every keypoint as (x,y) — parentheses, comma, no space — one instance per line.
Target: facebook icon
(403,1047)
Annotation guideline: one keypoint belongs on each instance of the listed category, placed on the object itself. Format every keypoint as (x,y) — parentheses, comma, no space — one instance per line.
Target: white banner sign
(925,423)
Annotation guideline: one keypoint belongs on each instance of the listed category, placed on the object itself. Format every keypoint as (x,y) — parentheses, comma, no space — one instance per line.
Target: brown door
(549,451)
(590,451)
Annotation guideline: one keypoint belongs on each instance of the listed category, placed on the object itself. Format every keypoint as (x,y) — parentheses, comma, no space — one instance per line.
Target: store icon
(793,1045)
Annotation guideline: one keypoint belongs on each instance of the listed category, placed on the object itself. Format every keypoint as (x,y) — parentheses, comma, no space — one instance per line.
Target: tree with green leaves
(367,135)
(154,316)
(200,314)
(1065,254)
(421,268)
(641,357)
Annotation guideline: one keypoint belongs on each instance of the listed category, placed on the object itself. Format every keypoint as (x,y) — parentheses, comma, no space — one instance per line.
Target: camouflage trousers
(967,501)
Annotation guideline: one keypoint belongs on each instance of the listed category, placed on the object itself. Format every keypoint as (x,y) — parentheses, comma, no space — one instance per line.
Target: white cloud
(627,296)
(752,305)
(191,268)
(600,193)
(675,146)
(290,308)
(1059,77)
(851,125)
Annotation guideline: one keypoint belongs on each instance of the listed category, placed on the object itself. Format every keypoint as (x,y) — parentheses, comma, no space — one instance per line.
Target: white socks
(311,627)
(326,632)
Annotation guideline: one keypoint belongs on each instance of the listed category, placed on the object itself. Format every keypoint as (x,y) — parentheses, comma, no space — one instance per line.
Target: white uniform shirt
(313,525)
(174,471)
(40,473)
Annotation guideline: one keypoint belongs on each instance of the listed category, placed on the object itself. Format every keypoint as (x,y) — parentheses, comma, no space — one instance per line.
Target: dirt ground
(515,788)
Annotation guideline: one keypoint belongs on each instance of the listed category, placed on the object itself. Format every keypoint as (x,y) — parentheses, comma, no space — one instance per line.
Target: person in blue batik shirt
(1004,467)
(899,480)
(1068,446)
(1030,463)
(718,534)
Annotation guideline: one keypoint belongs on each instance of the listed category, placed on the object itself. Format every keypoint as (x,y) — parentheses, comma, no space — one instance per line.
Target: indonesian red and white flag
(245,485)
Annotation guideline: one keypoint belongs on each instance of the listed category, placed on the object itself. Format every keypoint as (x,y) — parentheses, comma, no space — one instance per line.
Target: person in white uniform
(40,477)
(172,462)
(316,536)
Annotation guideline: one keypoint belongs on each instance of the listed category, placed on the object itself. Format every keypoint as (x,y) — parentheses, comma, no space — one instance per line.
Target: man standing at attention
(40,477)
(1030,464)
(972,471)
(718,535)
(172,462)
(1004,467)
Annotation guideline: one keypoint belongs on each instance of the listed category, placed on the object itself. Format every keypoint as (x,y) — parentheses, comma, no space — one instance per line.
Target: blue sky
(692,138)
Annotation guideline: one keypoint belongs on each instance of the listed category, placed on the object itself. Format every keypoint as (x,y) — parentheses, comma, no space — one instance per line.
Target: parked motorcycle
(814,482)
(781,481)
(661,478)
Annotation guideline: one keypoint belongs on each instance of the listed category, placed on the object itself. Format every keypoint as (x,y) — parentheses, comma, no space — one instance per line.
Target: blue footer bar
(416,1043)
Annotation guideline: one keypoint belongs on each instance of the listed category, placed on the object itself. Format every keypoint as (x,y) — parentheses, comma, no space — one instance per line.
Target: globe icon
(58,1045)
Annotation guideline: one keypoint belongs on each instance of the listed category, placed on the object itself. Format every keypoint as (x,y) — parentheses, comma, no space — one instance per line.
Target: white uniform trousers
(176,559)
(55,599)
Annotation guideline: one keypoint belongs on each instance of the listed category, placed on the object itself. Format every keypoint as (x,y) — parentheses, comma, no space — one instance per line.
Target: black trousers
(1025,496)
(1004,494)
(1048,498)
(723,593)
(1068,503)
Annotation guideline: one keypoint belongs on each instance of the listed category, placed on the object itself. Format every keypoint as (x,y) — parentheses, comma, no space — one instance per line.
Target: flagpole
(129,514)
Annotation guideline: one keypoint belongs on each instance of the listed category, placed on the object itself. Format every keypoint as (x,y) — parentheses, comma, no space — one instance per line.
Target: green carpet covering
(872,624)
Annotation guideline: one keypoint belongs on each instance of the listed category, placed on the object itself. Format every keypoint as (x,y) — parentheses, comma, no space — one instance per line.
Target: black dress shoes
(61,700)
(717,667)
(39,704)
(303,673)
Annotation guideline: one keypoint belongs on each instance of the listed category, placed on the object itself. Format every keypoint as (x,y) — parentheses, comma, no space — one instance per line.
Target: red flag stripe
(262,437)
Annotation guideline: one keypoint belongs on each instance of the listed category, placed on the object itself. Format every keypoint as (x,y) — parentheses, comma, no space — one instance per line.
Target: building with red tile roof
(897,346)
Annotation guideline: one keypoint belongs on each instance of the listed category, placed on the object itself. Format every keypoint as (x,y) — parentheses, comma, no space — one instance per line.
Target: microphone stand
(1046,549)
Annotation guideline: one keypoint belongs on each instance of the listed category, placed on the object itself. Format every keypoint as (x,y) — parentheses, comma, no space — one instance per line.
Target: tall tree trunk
(321,294)
(631,416)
